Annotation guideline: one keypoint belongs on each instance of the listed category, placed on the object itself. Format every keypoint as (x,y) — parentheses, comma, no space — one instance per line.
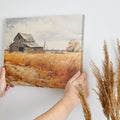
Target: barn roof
(27,37)
(31,44)
(28,40)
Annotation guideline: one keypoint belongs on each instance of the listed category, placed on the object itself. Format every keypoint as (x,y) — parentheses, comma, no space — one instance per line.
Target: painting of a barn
(24,43)
(43,51)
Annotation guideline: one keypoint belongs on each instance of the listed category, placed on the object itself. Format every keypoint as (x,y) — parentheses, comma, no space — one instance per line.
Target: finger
(83,76)
(1,95)
(11,85)
(75,76)
(7,88)
(3,73)
(82,79)
(0,70)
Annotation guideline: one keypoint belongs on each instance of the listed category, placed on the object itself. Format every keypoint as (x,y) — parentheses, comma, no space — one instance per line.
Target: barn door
(21,49)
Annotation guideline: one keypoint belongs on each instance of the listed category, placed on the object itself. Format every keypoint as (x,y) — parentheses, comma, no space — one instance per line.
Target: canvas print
(43,51)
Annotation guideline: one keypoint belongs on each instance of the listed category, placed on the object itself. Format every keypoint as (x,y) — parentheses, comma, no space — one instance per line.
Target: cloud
(57,28)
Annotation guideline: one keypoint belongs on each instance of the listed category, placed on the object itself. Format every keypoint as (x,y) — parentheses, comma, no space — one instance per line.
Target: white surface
(102,22)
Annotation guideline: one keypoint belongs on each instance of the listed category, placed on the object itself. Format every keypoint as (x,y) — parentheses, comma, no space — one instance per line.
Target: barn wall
(38,49)
(13,47)
(33,49)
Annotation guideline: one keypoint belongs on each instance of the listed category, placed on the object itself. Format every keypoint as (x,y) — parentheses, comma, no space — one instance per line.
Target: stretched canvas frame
(43,51)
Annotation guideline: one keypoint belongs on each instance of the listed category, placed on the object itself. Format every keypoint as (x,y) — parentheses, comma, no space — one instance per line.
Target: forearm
(60,111)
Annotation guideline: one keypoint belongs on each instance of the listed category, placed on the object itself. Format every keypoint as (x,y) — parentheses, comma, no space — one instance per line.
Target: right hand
(71,92)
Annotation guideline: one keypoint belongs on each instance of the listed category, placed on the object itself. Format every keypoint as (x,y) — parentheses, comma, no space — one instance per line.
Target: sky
(57,31)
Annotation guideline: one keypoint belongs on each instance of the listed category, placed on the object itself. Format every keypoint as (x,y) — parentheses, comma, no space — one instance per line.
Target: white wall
(102,22)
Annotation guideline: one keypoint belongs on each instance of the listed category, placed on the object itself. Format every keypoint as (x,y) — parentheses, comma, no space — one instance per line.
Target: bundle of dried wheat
(86,110)
(108,85)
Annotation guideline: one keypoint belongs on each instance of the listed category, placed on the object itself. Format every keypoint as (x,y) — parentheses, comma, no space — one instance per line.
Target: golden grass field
(41,69)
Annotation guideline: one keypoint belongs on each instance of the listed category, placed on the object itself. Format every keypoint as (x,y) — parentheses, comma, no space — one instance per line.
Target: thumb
(3,73)
(75,76)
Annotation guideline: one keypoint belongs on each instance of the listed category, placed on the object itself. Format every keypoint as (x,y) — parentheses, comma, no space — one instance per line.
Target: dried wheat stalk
(108,85)
(86,110)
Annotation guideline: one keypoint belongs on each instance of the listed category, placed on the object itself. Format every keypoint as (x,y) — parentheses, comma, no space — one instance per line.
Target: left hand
(3,86)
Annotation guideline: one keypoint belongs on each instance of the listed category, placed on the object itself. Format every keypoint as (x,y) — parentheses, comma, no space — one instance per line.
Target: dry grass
(108,84)
(41,69)
(86,109)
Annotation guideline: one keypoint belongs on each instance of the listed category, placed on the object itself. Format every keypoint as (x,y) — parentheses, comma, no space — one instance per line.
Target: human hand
(71,93)
(3,86)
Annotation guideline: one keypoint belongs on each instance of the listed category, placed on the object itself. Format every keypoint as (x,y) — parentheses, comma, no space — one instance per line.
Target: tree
(73,46)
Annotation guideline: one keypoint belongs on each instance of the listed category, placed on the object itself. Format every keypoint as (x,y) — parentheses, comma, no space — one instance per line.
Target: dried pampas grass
(108,84)
(86,110)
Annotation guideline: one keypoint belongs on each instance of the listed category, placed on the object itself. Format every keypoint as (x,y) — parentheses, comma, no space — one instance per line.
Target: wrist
(73,102)
(67,105)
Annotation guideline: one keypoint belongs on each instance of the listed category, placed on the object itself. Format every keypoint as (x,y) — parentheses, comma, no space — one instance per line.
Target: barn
(24,43)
